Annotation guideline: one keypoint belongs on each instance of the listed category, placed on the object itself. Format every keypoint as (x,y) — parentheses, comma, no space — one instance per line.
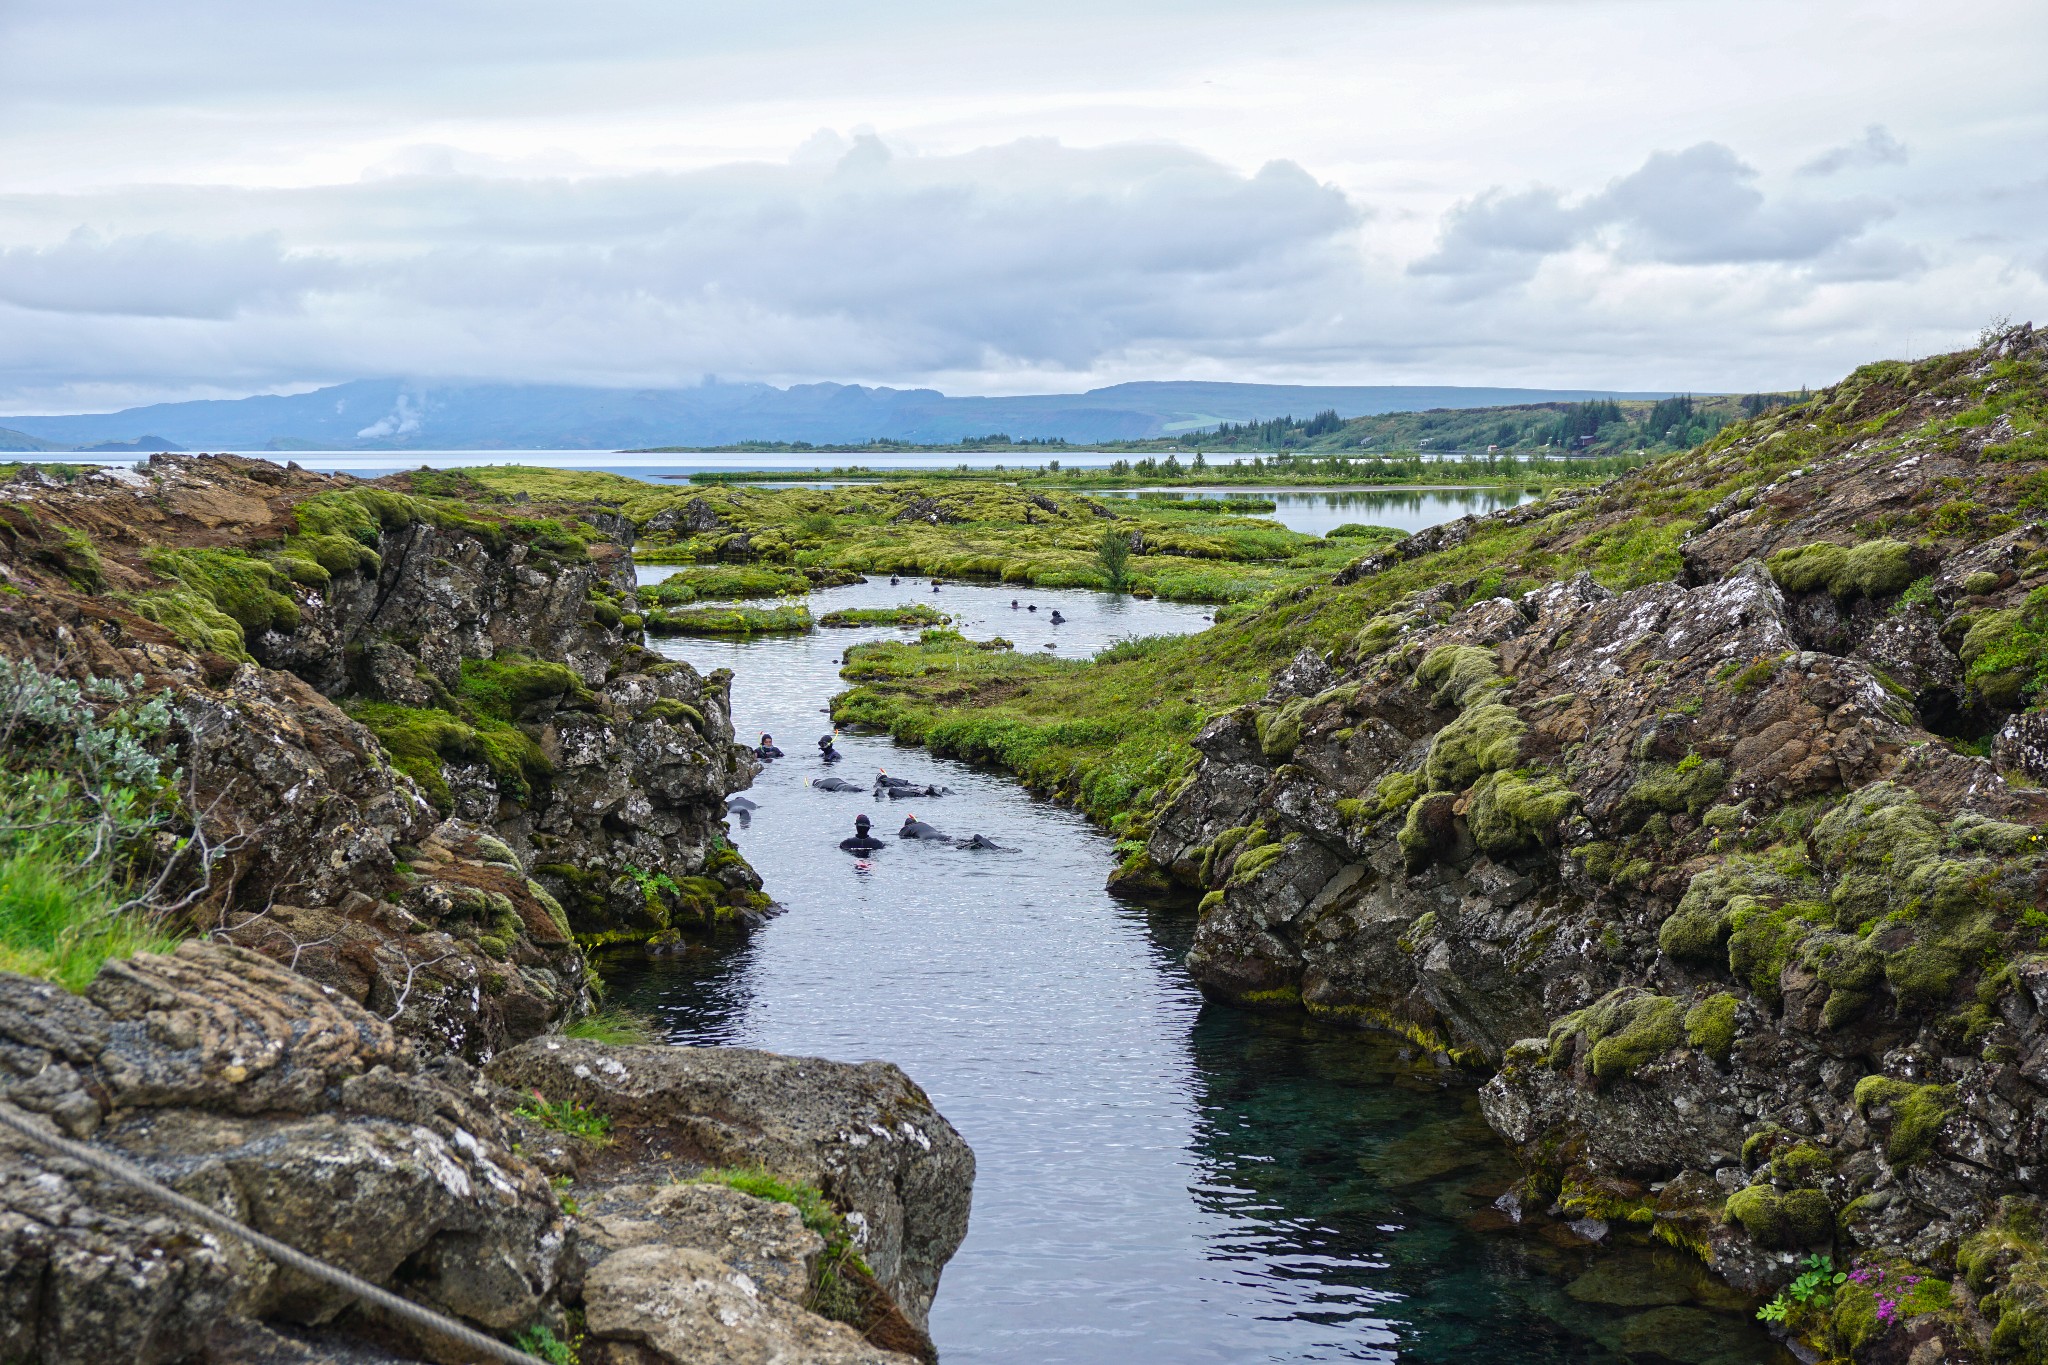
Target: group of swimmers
(886,787)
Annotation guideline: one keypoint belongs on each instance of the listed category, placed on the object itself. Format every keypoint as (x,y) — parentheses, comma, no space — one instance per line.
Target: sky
(224,197)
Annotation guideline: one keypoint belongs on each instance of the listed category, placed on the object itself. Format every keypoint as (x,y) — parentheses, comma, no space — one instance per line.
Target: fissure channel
(1159,1179)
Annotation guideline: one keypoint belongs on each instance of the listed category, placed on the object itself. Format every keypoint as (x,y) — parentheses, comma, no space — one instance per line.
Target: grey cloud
(873,262)
(1877,147)
(158,275)
(1700,206)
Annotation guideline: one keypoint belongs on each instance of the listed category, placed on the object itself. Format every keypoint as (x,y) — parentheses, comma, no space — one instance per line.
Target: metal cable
(277,1251)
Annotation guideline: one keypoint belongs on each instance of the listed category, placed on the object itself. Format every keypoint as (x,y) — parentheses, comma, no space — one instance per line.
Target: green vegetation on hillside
(1113,735)
(89,807)
(758,539)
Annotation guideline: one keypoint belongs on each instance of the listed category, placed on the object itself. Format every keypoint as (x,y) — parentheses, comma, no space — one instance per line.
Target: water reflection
(1321,511)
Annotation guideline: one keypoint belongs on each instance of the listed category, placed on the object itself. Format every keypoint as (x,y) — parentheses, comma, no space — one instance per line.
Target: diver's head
(861,823)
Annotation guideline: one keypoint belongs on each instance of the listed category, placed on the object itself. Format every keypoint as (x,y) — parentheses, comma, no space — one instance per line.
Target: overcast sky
(220,197)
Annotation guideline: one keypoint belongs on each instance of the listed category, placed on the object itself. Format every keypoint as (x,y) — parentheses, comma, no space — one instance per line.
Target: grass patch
(729,621)
(914,614)
(567,1118)
(88,799)
(614,1026)
(831,1292)
(724,583)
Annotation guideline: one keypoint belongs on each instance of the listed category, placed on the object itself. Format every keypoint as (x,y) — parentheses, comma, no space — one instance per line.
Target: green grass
(831,1294)
(983,530)
(87,806)
(57,925)
(614,1026)
(729,621)
(722,583)
(913,614)
(566,1117)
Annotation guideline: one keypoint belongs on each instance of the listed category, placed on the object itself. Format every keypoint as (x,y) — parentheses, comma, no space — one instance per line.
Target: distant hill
(390,414)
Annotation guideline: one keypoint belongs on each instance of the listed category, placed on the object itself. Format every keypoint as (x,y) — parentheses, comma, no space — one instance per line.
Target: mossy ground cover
(910,614)
(480,722)
(724,583)
(983,529)
(727,621)
(1113,734)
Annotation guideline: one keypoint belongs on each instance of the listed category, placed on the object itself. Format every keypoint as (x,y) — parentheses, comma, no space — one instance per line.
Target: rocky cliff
(420,763)
(1705,813)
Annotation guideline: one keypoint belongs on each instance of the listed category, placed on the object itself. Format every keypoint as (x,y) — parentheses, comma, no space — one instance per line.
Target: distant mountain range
(391,414)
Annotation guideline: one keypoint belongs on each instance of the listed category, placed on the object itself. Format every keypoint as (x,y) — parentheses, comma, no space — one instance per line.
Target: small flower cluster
(1887,1287)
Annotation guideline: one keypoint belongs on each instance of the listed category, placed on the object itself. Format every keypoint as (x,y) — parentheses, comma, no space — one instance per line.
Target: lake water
(1161,1181)
(1318,511)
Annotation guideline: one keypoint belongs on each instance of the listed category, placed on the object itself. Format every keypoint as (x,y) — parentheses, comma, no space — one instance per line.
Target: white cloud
(1700,206)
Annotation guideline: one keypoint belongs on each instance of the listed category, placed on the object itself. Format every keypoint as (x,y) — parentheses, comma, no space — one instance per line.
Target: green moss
(1459,675)
(1798,1218)
(1981,582)
(674,712)
(1621,1031)
(2005,1261)
(2005,653)
(1417,836)
(510,685)
(1397,791)
(913,614)
(72,554)
(1672,788)
(1710,1025)
(1762,939)
(1801,1165)
(1279,730)
(222,597)
(1512,812)
(729,621)
(1916,1113)
(1700,925)
(420,741)
(1256,860)
(1486,738)
(724,583)
(1876,568)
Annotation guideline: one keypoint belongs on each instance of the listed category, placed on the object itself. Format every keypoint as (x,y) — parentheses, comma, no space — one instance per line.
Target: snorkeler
(914,828)
(826,752)
(766,749)
(862,841)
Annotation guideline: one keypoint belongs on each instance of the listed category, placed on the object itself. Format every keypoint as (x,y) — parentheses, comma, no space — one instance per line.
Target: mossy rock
(1875,568)
(1430,828)
(1916,1114)
(1397,791)
(1458,675)
(1486,738)
(1513,812)
(1797,1218)
(1624,1029)
(1710,1026)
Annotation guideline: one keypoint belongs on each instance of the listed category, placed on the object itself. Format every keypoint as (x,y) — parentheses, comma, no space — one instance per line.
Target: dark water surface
(1161,1182)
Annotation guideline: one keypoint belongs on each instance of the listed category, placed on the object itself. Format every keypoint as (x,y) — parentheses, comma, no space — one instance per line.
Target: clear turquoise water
(1161,1180)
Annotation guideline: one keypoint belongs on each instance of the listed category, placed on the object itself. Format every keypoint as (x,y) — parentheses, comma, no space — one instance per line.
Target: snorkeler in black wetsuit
(914,828)
(862,841)
(766,749)
(826,753)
